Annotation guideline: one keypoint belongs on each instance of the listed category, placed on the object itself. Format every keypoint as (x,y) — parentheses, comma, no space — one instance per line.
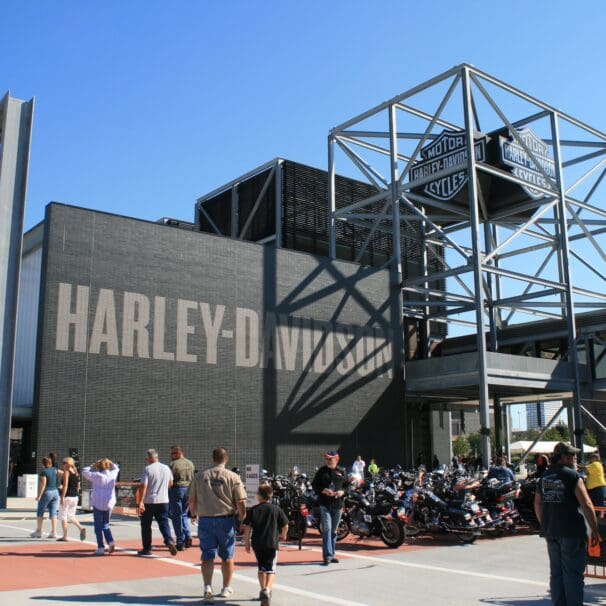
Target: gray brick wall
(119,405)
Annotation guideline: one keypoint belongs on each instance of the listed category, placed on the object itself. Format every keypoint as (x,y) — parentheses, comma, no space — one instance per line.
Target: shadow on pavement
(519,601)
(595,595)
(121,598)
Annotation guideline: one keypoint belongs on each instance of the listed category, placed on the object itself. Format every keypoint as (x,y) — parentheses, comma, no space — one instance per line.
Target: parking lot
(509,571)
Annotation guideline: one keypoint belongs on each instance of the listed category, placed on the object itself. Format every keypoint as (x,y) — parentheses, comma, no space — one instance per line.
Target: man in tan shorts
(215,496)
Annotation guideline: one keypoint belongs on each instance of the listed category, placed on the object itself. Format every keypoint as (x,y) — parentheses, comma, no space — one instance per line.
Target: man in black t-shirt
(560,494)
(269,525)
(329,484)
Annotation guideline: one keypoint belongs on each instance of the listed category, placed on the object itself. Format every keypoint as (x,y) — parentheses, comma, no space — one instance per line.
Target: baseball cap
(563,448)
(331,454)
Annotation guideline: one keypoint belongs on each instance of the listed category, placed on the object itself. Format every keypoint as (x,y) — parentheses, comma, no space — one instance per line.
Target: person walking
(358,467)
(216,495)
(178,496)
(156,481)
(268,525)
(560,493)
(329,484)
(70,489)
(48,498)
(102,475)
(596,484)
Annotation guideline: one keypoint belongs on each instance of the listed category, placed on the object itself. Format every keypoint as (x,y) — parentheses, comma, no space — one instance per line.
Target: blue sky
(142,106)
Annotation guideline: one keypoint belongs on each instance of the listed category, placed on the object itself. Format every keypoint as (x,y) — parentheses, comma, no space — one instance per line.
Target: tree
(460,446)
(553,435)
(589,438)
(564,433)
(475,442)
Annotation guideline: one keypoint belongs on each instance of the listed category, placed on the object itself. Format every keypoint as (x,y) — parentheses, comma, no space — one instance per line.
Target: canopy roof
(543,447)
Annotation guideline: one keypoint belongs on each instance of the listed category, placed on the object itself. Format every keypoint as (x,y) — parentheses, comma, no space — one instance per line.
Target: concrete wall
(153,335)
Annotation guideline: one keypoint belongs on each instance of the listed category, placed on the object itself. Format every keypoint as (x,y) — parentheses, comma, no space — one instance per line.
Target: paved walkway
(502,572)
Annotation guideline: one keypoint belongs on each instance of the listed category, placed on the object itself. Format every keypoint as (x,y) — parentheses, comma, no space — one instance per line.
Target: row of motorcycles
(397,504)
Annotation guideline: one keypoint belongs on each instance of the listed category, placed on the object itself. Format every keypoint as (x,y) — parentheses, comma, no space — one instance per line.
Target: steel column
(477,267)
(15,135)
(573,356)
(332,235)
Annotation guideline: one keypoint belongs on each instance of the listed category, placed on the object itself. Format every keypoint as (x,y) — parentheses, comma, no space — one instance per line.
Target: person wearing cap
(330,483)
(596,484)
(560,493)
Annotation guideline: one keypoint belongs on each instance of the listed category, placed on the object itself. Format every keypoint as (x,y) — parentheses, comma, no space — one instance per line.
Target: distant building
(538,414)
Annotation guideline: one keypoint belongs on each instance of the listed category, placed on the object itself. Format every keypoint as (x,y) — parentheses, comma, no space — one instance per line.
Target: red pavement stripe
(52,565)
(41,564)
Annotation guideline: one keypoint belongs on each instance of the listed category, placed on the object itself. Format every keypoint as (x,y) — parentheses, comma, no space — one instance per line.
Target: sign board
(447,151)
(512,154)
(251,483)
(127,494)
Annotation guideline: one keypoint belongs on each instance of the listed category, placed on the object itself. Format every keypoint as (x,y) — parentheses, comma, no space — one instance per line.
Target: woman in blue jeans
(48,498)
(102,475)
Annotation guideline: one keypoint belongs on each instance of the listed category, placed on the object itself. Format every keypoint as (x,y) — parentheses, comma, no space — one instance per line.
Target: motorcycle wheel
(393,533)
(466,537)
(342,530)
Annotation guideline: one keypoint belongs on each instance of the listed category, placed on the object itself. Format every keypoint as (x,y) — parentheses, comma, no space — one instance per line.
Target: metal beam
(477,269)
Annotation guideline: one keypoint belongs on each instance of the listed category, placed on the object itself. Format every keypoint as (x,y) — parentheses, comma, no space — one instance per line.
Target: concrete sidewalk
(511,571)
(19,507)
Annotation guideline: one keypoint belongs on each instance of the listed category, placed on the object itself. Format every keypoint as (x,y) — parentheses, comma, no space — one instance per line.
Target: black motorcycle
(422,511)
(525,502)
(373,514)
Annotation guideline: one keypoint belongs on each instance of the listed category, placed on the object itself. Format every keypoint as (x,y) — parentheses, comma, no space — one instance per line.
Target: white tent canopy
(543,446)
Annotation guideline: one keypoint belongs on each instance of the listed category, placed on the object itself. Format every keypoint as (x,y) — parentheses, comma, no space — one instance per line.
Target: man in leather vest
(560,494)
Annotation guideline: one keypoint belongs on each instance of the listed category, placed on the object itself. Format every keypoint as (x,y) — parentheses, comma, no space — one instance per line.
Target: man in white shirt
(157,478)
(358,467)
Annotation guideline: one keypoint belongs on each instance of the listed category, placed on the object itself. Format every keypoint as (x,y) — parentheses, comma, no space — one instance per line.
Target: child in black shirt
(269,525)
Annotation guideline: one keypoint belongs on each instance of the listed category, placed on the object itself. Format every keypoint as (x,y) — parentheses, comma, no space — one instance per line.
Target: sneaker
(226,592)
(83,534)
(52,535)
(100,551)
(111,548)
(265,597)
(62,539)
(172,548)
(36,534)
(334,561)
(180,547)
(144,552)
(208,597)
(188,543)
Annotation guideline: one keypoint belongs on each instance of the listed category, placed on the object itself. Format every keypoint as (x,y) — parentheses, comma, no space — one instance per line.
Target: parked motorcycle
(422,511)
(372,514)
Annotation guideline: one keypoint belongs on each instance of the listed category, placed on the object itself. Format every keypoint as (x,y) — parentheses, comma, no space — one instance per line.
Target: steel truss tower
(504,191)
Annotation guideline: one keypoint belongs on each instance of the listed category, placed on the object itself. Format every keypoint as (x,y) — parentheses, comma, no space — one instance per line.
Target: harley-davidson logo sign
(447,151)
(512,154)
